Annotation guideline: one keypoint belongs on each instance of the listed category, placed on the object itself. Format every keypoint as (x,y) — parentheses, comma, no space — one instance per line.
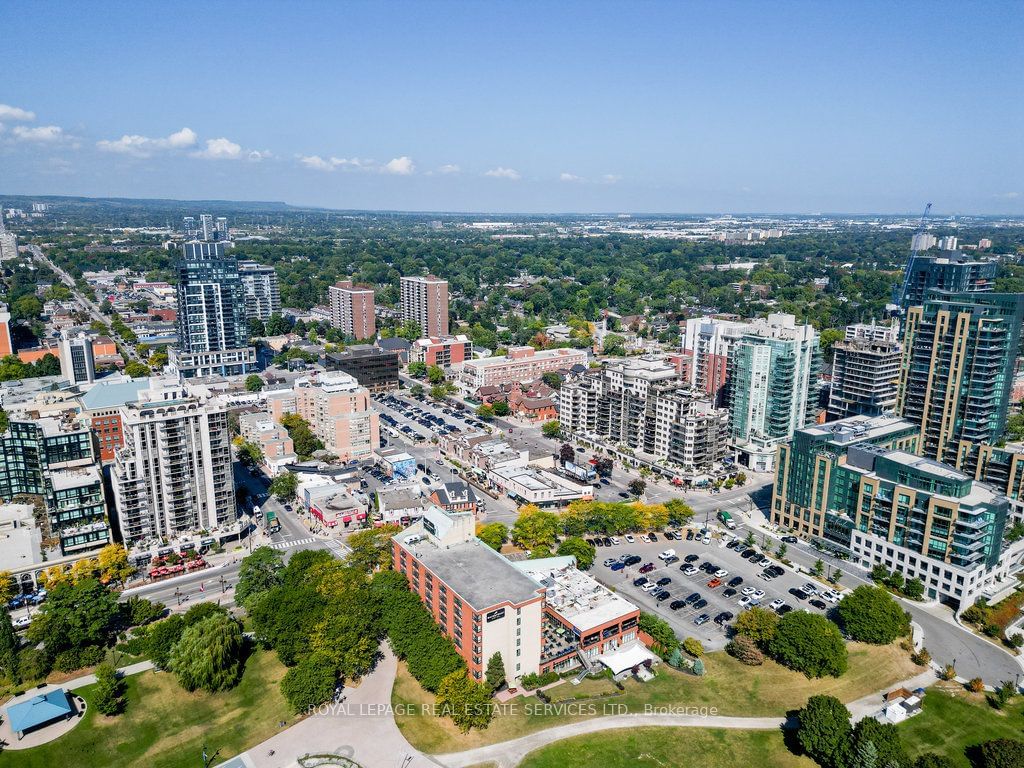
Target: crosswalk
(293,543)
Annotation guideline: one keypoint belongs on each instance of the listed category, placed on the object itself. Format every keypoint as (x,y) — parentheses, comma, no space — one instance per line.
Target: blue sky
(633,106)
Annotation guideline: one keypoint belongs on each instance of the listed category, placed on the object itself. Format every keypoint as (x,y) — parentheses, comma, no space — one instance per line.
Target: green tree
(75,616)
(371,548)
(552,378)
(137,370)
(276,325)
(914,589)
(580,549)
(759,624)
(809,643)
(551,429)
(693,646)
(869,614)
(108,695)
(494,535)
(679,512)
(435,374)
(8,646)
(284,485)
(485,411)
(26,307)
(819,567)
(161,637)
(309,683)
(256,328)
(745,650)
(535,528)
(418,370)
(253,383)
(495,674)
(637,487)
(885,740)
(416,390)
(823,730)
(465,701)
(306,443)
(665,640)
(501,408)
(208,656)
(1002,753)
(438,392)
(258,573)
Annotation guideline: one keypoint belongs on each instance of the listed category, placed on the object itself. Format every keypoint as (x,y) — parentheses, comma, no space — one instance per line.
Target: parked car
(799,594)
(663,595)
(748,591)
(618,565)
(692,598)
(630,539)
(646,567)
(689,570)
(666,554)
(653,536)
(675,605)
(689,535)
(721,573)
(639,582)
(735,581)
(664,580)
(764,562)
(776,603)
(702,603)
(650,586)
(723,617)
(819,604)
(615,540)
(745,601)
(831,595)
(748,553)
(728,592)
(692,558)
(714,583)
(790,539)
(645,539)
(670,560)
(610,561)
(702,619)
(632,559)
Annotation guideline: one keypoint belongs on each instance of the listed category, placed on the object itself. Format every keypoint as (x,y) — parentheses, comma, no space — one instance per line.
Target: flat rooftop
(478,574)
(574,595)
(858,428)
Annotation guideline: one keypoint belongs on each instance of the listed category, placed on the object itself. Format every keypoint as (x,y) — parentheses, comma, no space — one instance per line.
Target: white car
(764,562)
(809,589)
(776,603)
(650,586)
(610,561)
(629,538)
(691,571)
(744,602)
(721,573)
(747,591)
(831,595)
(615,540)
(645,539)
(758,594)
(21,622)
(667,554)
(706,539)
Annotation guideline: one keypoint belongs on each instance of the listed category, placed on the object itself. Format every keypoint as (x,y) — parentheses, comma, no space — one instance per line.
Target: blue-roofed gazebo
(39,711)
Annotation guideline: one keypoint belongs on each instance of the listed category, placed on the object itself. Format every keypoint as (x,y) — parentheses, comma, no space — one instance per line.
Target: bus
(727,520)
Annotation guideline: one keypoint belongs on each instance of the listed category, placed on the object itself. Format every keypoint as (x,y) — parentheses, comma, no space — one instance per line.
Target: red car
(714,583)
(647,568)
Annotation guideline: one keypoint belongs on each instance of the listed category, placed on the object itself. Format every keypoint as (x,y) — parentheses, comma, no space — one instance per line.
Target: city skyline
(664,108)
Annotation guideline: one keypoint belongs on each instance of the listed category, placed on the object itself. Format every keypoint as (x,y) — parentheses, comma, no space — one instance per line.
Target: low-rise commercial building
(521,364)
(333,506)
(527,485)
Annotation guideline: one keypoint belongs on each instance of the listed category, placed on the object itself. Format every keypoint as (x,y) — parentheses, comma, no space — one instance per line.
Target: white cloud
(332,163)
(569,177)
(220,149)
(44,134)
(400,166)
(449,168)
(257,155)
(504,173)
(15,114)
(610,178)
(1007,196)
(143,146)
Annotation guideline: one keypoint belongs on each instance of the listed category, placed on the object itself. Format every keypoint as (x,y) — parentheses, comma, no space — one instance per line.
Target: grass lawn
(728,686)
(165,727)
(954,719)
(665,747)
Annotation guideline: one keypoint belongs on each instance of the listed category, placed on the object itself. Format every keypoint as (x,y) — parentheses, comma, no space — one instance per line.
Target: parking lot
(417,421)
(723,598)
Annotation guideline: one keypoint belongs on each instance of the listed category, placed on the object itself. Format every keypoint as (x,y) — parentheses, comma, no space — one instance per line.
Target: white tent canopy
(626,657)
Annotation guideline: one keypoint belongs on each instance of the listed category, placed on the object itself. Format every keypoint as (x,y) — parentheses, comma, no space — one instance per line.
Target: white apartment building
(174,473)
(521,364)
(262,292)
(708,341)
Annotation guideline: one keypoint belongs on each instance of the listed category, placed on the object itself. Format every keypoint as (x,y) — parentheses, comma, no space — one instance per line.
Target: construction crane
(914,250)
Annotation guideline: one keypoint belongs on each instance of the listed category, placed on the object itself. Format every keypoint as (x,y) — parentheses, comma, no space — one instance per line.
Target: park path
(361,727)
